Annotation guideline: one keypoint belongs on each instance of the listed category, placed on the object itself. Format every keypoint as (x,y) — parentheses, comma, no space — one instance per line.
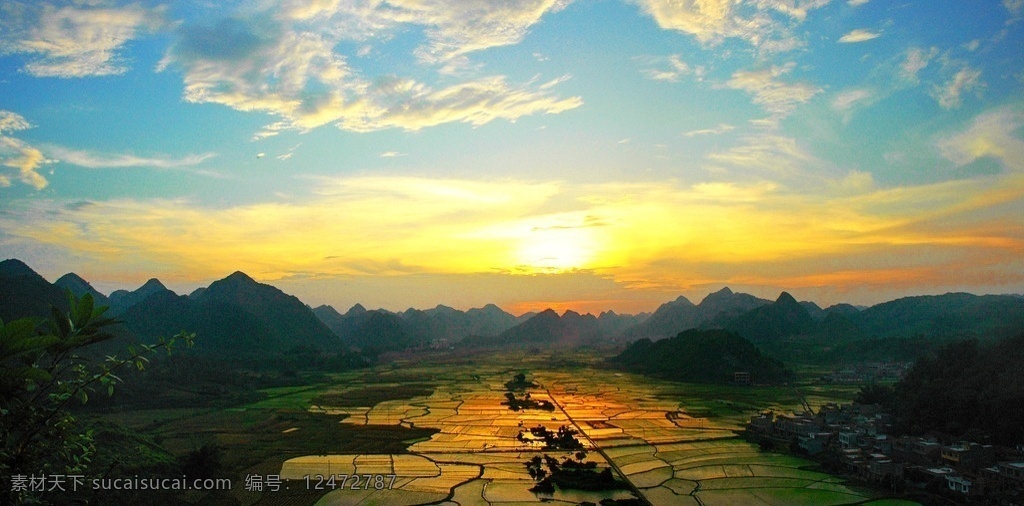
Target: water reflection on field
(637,427)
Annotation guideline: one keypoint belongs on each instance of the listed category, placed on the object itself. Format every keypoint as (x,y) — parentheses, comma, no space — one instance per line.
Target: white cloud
(1016,7)
(74,41)
(765,24)
(845,100)
(859,35)
(776,97)
(670,69)
(964,81)
(989,135)
(293,73)
(857,3)
(94,160)
(16,154)
(720,129)
(769,157)
(917,59)
(453,28)
(407,104)
(12,122)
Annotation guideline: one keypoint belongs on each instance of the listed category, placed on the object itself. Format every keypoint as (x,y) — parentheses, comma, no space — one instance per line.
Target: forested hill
(700,356)
(966,389)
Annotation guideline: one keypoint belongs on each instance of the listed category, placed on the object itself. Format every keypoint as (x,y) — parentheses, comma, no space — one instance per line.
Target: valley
(438,430)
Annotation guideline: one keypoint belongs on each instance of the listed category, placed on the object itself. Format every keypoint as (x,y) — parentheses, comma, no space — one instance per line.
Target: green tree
(42,371)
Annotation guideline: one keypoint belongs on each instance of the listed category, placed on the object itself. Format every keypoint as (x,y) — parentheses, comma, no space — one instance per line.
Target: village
(856,440)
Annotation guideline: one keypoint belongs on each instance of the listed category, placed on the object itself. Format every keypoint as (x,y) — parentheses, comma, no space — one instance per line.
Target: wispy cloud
(856,3)
(778,98)
(670,69)
(79,40)
(765,24)
(391,154)
(94,160)
(949,95)
(1016,7)
(989,135)
(453,28)
(290,70)
(18,155)
(916,60)
(410,105)
(720,129)
(859,35)
(847,101)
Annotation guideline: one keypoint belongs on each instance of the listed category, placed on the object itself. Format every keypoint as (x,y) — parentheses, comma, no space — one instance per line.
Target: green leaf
(82,311)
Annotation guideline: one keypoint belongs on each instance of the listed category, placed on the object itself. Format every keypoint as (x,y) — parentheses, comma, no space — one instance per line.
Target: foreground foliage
(44,368)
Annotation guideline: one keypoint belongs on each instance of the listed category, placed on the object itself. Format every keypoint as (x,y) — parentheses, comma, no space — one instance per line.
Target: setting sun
(556,250)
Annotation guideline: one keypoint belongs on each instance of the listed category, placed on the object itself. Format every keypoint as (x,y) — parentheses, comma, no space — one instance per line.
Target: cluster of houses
(856,439)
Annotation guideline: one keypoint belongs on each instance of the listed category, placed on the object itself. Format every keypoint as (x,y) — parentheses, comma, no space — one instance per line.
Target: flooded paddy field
(438,433)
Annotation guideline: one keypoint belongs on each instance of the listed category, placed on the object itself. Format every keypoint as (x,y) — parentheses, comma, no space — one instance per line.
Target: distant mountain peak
(71,278)
(356,309)
(152,284)
(724,291)
(682,300)
(79,286)
(15,267)
(785,298)
(239,277)
(75,283)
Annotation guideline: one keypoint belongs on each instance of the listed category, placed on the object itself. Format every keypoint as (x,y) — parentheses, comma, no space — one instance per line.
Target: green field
(674,443)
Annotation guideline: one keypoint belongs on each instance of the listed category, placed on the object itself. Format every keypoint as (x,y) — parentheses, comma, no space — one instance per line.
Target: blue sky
(574,154)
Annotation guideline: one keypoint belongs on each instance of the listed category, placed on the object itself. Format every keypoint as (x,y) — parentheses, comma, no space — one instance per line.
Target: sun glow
(556,250)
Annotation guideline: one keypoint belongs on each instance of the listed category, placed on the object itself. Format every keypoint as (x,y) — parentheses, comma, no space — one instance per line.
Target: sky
(588,155)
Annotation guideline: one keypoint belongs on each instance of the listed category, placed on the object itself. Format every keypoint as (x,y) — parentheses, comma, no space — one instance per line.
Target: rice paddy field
(674,444)
(437,433)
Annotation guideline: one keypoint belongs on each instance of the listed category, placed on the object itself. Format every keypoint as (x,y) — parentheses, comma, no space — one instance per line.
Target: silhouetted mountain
(489,320)
(813,310)
(716,310)
(612,324)
(842,309)
(24,293)
(783,318)
(725,305)
(235,315)
(372,332)
(443,322)
(330,317)
(79,287)
(668,320)
(949,315)
(547,328)
(380,331)
(122,300)
(702,356)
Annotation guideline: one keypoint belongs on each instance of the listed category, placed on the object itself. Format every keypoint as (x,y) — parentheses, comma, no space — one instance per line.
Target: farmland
(436,432)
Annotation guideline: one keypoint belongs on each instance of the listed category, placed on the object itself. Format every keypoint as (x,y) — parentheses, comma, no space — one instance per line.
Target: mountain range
(241,316)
